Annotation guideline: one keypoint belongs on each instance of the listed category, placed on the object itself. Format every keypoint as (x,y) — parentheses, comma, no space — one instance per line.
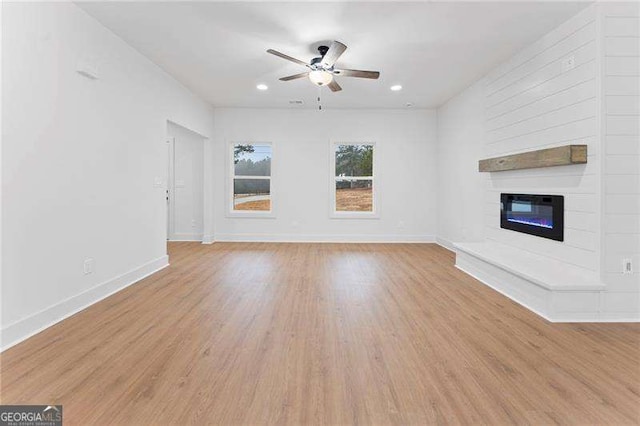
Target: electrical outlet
(88,266)
(627,266)
(193,223)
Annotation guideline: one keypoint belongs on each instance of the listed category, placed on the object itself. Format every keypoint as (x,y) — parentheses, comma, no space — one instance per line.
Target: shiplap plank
(580,203)
(552,118)
(619,283)
(623,105)
(558,51)
(621,184)
(627,301)
(626,144)
(622,65)
(622,85)
(580,220)
(623,125)
(566,133)
(622,26)
(625,9)
(623,165)
(582,55)
(621,223)
(576,184)
(554,249)
(622,46)
(557,35)
(622,243)
(580,74)
(563,99)
(622,204)
(591,142)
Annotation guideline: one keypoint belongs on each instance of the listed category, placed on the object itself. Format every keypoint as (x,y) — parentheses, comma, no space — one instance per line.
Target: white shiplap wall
(620,38)
(540,99)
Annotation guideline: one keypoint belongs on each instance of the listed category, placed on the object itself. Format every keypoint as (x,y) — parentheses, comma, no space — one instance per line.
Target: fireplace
(541,215)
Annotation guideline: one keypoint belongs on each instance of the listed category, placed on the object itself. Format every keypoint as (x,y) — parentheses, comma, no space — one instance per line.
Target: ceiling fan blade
(335,51)
(357,73)
(287,57)
(294,77)
(334,86)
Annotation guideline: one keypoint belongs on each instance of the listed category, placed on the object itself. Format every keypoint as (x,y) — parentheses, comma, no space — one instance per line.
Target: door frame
(170,188)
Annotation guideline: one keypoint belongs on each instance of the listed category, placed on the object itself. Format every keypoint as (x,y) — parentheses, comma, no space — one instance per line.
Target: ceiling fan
(322,69)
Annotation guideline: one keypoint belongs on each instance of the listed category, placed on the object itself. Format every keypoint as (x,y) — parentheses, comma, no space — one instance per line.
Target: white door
(185,185)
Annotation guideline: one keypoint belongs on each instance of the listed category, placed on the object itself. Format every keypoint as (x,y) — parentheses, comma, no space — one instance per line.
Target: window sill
(251,215)
(353,215)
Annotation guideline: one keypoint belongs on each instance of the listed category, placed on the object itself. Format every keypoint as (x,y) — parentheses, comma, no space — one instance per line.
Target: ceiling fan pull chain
(319,103)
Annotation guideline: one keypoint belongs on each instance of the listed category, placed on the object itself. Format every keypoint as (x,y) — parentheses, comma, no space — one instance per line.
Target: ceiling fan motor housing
(316,64)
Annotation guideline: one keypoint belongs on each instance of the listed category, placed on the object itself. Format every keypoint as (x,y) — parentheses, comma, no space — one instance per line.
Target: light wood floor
(257,333)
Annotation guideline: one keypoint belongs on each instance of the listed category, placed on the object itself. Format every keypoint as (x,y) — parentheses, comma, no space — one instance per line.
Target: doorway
(185,184)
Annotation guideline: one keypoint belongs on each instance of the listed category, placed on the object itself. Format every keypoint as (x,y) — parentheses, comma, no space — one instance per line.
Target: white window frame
(231,176)
(333,213)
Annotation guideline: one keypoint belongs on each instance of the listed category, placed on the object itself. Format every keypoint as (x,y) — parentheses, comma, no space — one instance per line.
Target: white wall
(79,163)
(186,184)
(620,40)
(405,174)
(461,198)
(1,174)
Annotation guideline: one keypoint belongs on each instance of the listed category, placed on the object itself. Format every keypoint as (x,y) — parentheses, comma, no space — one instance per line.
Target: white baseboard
(324,238)
(208,239)
(31,325)
(443,242)
(186,237)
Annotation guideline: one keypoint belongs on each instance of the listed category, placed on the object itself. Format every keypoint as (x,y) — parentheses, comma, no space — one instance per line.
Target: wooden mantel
(550,157)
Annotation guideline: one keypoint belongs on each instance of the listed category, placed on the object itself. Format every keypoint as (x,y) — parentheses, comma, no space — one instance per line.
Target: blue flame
(533,221)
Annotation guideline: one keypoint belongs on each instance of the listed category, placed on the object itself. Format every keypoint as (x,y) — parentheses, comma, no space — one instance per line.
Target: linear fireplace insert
(541,215)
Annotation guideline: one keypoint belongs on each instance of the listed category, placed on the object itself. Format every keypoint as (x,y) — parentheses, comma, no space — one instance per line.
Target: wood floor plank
(266,333)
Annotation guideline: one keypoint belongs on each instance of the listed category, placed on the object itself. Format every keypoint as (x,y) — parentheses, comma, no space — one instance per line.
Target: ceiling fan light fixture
(320,77)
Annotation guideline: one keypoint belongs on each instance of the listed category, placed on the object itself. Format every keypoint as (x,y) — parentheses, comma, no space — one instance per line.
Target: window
(353,180)
(251,178)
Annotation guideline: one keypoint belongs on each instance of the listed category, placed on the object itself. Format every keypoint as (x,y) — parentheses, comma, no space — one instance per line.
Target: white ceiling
(434,50)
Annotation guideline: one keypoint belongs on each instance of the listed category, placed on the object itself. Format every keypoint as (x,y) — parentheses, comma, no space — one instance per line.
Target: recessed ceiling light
(396,87)
(262,87)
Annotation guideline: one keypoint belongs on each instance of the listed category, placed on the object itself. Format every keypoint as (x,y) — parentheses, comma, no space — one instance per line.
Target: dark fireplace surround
(540,215)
